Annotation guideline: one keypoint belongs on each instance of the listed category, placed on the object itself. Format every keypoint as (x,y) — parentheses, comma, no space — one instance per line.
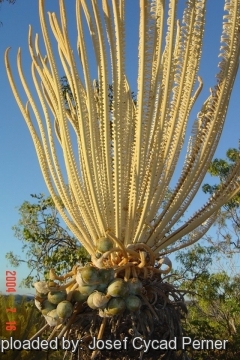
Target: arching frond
(119,161)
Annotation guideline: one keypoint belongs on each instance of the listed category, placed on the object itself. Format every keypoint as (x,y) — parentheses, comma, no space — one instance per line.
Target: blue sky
(20,172)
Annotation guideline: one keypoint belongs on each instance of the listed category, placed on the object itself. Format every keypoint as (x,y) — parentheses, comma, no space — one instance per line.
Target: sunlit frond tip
(120,156)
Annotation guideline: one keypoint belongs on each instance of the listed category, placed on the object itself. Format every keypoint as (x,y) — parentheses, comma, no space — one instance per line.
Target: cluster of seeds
(53,304)
(110,284)
(98,287)
(123,285)
(109,295)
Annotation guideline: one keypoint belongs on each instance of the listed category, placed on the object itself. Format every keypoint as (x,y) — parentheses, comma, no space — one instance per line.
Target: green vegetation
(28,322)
(214,303)
(228,221)
(46,244)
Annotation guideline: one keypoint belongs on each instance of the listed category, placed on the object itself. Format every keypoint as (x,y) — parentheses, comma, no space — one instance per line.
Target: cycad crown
(119,161)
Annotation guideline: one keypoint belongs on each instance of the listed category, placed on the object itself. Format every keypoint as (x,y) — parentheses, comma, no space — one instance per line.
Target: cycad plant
(120,156)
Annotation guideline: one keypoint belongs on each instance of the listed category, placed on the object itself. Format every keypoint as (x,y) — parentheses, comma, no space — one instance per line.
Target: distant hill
(18,298)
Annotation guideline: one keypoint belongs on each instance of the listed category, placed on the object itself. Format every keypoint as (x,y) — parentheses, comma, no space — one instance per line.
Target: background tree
(213,302)
(46,243)
(228,220)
